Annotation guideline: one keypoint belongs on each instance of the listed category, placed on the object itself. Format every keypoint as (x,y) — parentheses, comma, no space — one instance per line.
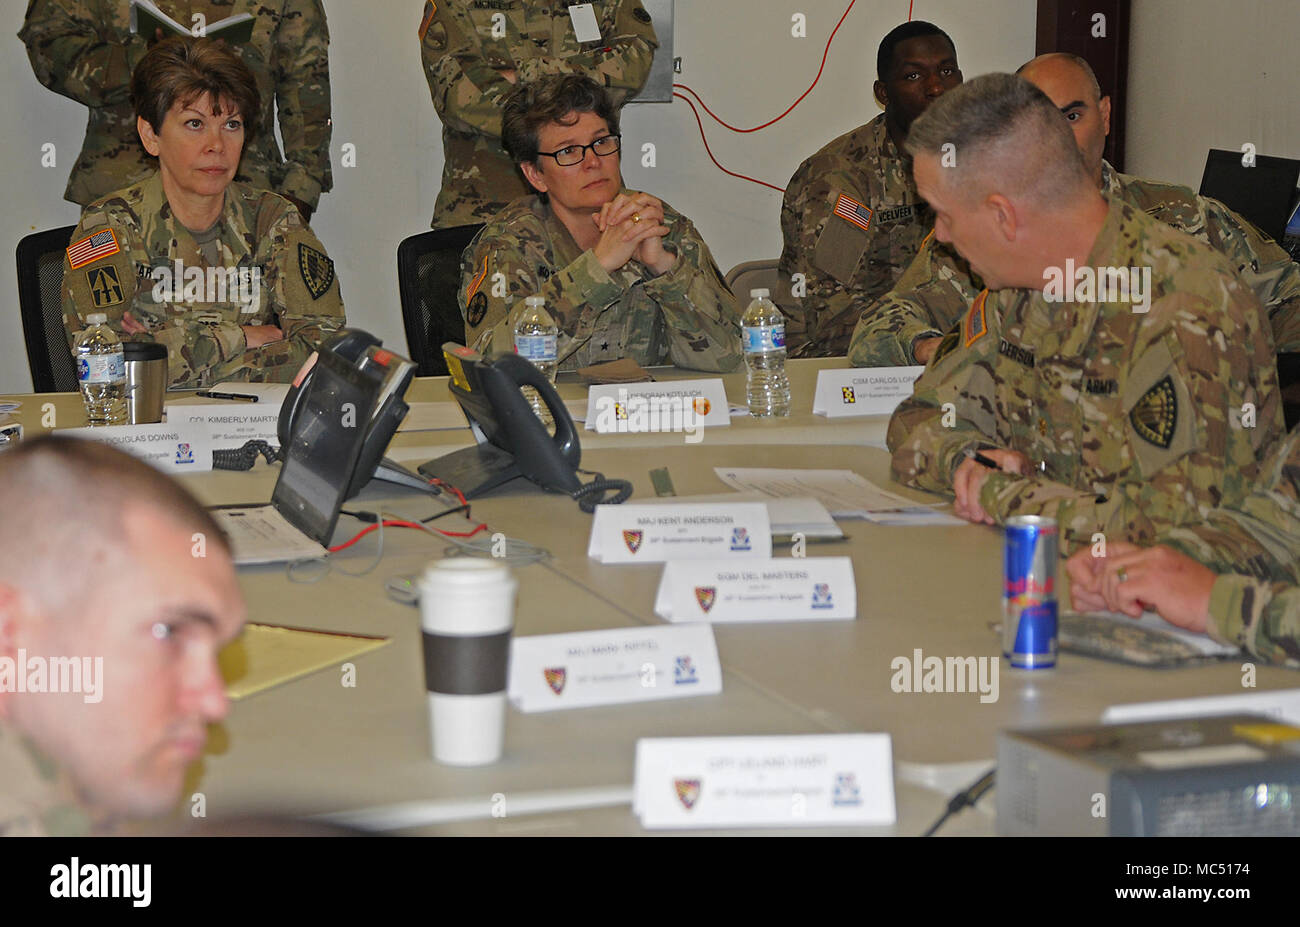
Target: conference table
(360,754)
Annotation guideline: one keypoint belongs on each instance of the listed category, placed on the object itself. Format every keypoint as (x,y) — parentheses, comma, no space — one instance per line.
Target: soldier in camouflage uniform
(476,51)
(851,217)
(904,326)
(1254,602)
(246,298)
(84,49)
(623,274)
(1122,413)
(103,566)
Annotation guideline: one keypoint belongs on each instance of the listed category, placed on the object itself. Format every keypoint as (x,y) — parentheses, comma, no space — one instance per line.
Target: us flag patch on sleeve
(849,209)
(100,245)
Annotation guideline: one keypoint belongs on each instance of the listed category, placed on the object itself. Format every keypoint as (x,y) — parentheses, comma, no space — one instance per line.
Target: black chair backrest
(40,300)
(428,276)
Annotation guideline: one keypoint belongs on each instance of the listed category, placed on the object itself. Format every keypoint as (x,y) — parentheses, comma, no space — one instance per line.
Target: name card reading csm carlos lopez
(655,533)
(553,671)
(793,781)
(794,589)
(863,390)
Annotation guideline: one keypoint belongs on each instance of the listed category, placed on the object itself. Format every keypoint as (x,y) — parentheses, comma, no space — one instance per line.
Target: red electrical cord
(710,150)
(396,523)
(825,53)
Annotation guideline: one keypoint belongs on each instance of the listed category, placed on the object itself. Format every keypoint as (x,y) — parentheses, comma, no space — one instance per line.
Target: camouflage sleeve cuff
(1224,551)
(588,289)
(910,335)
(531,69)
(1227,624)
(675,284)
(301,185)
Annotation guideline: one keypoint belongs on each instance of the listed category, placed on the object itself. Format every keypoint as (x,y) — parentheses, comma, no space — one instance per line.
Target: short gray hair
(1004,133)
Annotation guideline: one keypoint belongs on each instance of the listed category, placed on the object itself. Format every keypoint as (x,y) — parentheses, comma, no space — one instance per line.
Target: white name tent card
(789,589)
(793,781)
(655,533)
(171,447)
(230,424)
(554,671)
(863,390)
(672,406)
(1282,704)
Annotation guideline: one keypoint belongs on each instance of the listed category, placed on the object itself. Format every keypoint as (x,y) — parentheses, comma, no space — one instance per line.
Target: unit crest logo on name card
(684,672)
(688,791)
(701,405)
(740,539)
(633,540)
(555,678)
(848,395)
(846,790)
(706,596)
(184,453)
(821,597)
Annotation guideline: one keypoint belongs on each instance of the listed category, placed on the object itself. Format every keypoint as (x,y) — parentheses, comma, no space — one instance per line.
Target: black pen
(975,455)
(234,397)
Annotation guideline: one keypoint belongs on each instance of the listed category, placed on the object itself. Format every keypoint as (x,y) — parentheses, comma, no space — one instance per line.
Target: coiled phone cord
(592,494)
(243,458)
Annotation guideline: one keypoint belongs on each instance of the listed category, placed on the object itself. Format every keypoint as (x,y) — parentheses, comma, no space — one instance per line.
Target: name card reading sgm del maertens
(179,447)
(802,589)
(863,390)
(655,533)
(764,781)
(551,671)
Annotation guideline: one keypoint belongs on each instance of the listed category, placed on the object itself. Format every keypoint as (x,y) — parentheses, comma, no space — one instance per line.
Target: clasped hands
(632,226)
(254,335)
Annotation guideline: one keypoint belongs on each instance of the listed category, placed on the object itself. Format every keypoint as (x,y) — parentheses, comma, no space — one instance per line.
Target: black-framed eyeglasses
(568,156)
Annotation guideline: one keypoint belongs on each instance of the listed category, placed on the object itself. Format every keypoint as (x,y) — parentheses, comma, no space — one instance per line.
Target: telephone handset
(513,442)
(353,365)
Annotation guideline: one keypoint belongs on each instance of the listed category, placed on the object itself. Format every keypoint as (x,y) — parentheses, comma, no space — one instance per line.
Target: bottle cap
(534,301)
(760,293)
(97,318)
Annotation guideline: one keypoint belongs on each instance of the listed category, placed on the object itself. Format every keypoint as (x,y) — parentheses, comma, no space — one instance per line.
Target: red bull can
(1029,591)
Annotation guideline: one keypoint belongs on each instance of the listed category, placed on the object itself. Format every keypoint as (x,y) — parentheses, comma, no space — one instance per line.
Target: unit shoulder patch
(1155,417)
(317,270)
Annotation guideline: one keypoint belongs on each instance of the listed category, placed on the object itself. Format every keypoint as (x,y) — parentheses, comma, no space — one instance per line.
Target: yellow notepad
(267,655)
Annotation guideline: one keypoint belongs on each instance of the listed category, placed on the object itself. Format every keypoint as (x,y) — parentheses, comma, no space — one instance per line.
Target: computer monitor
(1263,193)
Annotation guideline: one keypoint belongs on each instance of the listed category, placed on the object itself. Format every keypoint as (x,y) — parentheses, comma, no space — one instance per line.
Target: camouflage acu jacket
(938,287)
(1134,422)
(1257,542)
(36,800)
(687,316)
(466,44)
(84,49)
(259,265)
(851,220)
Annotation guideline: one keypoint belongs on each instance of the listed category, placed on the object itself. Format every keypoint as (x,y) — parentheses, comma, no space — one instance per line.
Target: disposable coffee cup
(467,611)
(146,381)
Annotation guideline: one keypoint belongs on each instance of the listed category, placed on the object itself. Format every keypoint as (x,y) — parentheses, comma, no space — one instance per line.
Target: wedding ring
(1121,574)
(636,217)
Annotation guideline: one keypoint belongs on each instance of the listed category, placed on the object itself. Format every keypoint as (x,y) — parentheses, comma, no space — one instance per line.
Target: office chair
(428,275)
(40,301)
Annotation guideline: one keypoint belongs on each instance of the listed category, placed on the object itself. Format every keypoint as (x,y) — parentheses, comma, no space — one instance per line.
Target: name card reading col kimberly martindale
(655,533)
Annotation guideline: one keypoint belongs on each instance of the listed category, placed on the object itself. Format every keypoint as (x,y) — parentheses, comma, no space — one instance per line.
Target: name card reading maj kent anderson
(655,533)
(764,781)
(789,589)
(863,390)
(551,671)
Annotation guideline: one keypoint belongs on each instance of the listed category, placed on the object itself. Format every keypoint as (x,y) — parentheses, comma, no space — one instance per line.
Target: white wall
(738,55)
(1206,74)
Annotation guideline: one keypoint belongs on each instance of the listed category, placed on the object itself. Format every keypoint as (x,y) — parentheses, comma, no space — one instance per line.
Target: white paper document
(554,671)
(789,589)
(844,493)
(655,533)
(797,781)
(266,393)
(260,534)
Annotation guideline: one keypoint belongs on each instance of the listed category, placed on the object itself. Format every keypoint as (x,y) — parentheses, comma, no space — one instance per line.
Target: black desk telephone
(513,442)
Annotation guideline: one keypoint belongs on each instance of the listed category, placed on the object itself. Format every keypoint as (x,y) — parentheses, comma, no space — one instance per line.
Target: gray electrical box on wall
(659,86)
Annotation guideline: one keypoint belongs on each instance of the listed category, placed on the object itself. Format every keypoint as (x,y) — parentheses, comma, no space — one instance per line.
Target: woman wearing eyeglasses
(623,273)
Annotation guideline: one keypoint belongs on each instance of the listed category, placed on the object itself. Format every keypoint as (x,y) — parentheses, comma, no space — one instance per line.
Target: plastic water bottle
(763,334)
(101,372)
(537,338)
